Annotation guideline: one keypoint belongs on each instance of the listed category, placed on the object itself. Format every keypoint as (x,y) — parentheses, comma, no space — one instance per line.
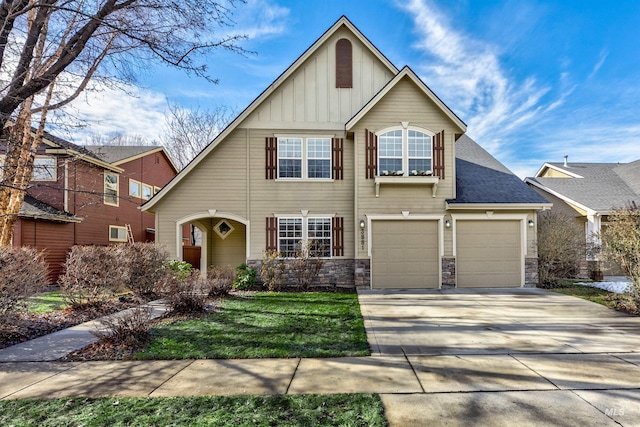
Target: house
(347,151)
(589,192)
(88,196)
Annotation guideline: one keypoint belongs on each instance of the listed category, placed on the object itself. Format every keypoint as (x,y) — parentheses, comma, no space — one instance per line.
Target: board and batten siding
(219,182)
(404,103)
(309,99)
(269,197)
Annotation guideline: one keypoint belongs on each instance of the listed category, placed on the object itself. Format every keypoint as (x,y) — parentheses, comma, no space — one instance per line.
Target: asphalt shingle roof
(480,178)
(116,153)
(34,208)
(603,186)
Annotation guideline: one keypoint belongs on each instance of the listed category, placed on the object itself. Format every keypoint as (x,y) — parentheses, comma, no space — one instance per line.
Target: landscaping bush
(561,246)
(621,242)
(272,270)
(307,264)
(188,294)
(93,275)
(130,328)
(245,277)
(181,269)
(146,268)
(23,273)
(220,280)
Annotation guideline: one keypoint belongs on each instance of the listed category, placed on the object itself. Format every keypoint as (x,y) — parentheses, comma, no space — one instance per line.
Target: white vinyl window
(147,191)
(405,152)
(111,188)
(117,233)
(304,158)
(135,188)
(44,169)
(296,234)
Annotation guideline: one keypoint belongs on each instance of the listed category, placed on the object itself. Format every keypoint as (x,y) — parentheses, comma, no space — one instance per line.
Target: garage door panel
(405,254)
(488,253)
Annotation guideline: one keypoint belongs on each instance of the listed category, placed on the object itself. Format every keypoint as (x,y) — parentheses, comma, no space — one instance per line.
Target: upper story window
(44,169)
(147,191)
(303,158)
(405,152)
(111,188)
(135,188)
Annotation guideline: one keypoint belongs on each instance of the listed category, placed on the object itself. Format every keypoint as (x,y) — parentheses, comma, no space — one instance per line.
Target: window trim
(305,158)
(405,147)
(106,195)
(133,181)
(119,228)
(142,195)
(305,231)
(54,169)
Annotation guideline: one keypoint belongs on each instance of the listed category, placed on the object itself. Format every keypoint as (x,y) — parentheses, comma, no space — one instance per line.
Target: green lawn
(267,325)
(589,293)
(47,302)
(305,410)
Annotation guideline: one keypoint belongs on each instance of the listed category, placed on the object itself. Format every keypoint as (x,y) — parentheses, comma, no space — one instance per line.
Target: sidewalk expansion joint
(172,376)
(293,376)
(413,370)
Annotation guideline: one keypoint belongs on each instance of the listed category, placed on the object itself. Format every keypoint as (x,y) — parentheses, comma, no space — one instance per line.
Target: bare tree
(621,241)
(561,246)
(50,50)
(188,132)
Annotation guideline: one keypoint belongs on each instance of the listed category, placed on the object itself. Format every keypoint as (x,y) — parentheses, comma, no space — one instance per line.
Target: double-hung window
(44,169)
(404,152)
(298,234)
(304,158)
(111,188)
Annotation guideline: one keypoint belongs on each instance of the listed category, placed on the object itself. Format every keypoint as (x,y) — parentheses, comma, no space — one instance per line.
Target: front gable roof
(340,23)
(117,155)
(407,72)
(593,187)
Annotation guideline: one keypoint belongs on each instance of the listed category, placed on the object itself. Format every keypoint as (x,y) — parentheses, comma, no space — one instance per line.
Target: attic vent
(344,67)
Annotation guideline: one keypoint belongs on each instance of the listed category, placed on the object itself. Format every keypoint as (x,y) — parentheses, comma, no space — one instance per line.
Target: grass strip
(47,302)
(267,325)
(590,293)
(290,410)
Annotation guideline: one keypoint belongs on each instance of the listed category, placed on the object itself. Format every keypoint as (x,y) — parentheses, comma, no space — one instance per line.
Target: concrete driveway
(507,357)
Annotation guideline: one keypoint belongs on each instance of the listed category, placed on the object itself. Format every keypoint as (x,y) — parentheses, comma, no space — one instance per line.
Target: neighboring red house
(88,196)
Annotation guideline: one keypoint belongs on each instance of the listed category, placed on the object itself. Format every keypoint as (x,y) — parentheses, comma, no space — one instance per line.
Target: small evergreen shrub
(245,277)
(181,269)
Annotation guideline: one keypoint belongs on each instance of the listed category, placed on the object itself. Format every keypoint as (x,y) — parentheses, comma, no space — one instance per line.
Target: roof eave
(84,157)
(499,206)
(590,211)
(556,168)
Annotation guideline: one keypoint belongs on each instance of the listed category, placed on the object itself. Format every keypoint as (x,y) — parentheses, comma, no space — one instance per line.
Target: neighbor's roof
(119,154)
(482,179)
(596,187)
(34,208)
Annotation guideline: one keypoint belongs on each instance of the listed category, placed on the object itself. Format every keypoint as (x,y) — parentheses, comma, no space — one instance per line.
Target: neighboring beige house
(364,159)
(589,192)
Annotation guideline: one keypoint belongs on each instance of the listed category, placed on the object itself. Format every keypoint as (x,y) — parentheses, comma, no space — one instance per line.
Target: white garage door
(489,254)
(404,254)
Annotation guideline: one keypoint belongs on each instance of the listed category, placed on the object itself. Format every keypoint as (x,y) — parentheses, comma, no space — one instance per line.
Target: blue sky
(533,80)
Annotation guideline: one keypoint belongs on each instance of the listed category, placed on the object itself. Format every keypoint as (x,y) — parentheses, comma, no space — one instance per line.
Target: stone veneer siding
(334,273)
(448,272)
(531,272)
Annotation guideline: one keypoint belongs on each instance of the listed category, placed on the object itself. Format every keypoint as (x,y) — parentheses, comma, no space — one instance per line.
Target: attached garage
(405,254)
(489,253)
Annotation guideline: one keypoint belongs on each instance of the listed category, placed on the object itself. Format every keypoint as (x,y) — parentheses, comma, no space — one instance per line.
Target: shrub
(23,273)
(129,328)
(181,269)
(186,294)
(561,246)
(146,268)
(307,264)
(272,270)
(220,280)
(621,242)
(94,274)
(245,277)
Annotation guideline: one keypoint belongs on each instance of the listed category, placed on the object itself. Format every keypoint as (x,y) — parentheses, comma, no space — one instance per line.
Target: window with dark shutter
(272,234)
(337,156)
(371,142)
(271,148)
(337,236)
(344,67)
(438,155)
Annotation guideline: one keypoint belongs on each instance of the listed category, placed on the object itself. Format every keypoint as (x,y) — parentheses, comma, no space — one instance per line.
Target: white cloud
(260,18)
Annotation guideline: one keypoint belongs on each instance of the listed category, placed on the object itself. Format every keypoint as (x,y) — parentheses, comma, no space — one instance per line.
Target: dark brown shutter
(337,236)
(438,155)
(271,147)
(272,234)
(344,68)
(337,156)
(371,141)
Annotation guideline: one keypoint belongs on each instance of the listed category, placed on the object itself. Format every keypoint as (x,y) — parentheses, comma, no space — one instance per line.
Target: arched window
(405,152)
(344,67)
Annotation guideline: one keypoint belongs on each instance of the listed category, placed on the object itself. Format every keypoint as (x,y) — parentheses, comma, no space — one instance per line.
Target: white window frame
(305,157)
(405,147)
(139,184)
(149,188)
(106,194)
(120,229)
(305,232)
(36,167)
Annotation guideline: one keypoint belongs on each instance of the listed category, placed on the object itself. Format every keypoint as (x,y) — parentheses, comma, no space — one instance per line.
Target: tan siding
(230,251)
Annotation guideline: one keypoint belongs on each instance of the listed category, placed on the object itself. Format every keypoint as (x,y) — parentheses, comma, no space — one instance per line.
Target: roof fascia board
(499,206)
(406,72)
(556,168)
(264,95)
(84,157)
(561,196)
(50,218)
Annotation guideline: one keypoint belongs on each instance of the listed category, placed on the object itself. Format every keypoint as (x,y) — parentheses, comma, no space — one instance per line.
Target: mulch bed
(27,326)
